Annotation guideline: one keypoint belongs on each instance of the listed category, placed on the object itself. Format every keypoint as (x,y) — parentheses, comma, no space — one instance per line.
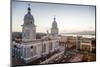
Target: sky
(69,18)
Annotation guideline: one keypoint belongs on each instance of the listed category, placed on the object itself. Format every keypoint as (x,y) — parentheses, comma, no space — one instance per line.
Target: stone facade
(31,48)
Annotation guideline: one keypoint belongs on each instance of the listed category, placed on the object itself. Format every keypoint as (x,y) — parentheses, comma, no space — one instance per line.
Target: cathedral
(31,48)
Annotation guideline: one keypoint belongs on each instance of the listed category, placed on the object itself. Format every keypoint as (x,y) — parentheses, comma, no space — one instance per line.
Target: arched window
(31,22)
(43,48)
(33,50)
(50,46)
(31,47)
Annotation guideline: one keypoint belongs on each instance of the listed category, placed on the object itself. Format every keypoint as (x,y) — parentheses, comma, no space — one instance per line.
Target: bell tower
(54,29)
(29,28)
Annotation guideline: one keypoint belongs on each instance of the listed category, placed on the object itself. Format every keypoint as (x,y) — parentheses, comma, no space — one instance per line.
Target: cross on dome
(29,9)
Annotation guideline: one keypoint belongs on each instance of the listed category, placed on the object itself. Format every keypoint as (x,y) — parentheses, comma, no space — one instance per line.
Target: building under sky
(70,18)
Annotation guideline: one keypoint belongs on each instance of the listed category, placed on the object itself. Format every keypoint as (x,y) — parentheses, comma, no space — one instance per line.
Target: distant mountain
(83,33)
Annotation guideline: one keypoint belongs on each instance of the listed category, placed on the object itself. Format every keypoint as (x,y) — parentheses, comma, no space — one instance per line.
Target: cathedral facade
(31,48)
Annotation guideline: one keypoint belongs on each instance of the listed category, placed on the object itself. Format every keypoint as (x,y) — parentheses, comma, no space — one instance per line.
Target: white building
(31,48)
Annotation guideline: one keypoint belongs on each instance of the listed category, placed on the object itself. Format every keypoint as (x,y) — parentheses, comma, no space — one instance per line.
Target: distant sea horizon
(83,35)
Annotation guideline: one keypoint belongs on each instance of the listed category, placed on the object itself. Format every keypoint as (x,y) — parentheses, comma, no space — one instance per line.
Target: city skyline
(70,18)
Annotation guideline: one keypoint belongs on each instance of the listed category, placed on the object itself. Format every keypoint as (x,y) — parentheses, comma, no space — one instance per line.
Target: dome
(28,19)
(28,16)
